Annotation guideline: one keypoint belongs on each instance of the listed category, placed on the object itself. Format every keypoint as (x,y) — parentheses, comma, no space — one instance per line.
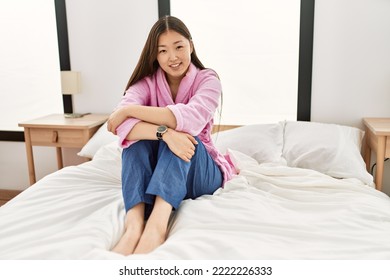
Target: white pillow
(328,148)
(99,139)
(263,142)
(109,151)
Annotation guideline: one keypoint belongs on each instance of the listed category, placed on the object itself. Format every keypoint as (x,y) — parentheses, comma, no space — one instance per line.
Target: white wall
(351,77)
(105,61)
(351,63)
(351,69)
(105,40)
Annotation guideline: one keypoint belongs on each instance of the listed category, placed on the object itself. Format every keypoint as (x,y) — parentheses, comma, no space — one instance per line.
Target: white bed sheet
(267,212)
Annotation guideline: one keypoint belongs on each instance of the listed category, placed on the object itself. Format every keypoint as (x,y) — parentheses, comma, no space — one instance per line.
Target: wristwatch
(160,131)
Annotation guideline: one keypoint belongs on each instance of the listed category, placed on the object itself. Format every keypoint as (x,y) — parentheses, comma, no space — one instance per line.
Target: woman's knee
(141,147)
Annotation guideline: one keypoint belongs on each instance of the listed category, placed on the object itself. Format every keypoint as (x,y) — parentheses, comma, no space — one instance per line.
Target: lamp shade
(70,82)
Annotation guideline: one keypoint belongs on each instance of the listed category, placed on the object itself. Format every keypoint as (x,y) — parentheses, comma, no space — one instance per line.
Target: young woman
(164,123)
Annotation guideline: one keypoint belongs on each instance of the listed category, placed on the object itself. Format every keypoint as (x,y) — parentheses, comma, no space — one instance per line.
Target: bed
(301,192)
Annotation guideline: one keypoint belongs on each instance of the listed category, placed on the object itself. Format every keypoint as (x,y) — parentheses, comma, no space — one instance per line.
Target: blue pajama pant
(150,169)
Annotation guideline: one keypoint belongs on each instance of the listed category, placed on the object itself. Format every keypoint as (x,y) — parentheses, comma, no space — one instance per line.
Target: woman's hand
(116,118)
(180,143)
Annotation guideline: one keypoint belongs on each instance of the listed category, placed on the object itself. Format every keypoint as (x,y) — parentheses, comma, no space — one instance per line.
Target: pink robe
(196,102)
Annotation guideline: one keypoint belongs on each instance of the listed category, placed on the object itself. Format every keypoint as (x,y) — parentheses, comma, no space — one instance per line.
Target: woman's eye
(162,51)
(179,47)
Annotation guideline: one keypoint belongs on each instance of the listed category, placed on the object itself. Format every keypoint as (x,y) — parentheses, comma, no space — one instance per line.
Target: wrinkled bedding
(268,211)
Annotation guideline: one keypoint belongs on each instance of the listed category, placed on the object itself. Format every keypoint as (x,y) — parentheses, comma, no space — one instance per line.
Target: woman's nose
(172,56)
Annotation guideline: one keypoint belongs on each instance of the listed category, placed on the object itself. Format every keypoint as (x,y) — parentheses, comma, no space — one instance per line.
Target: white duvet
(267,212)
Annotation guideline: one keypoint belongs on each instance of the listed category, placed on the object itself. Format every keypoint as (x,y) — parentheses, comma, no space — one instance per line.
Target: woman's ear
(191,46)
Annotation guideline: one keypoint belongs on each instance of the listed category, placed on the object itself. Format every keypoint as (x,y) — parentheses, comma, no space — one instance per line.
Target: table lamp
(71,84)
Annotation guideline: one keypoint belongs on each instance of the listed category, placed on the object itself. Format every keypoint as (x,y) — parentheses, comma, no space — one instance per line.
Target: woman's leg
(134,226)
(169,177)
(155,232)
(174,180)
(138,162)
(204,176)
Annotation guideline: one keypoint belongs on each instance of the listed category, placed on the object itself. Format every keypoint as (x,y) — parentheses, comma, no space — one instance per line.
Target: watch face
(162,129)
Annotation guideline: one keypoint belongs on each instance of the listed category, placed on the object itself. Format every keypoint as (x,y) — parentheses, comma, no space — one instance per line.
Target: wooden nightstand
(7,195)
(378,140)
(60,132)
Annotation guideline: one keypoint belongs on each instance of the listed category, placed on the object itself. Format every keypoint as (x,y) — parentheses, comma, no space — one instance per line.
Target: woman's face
(174,55)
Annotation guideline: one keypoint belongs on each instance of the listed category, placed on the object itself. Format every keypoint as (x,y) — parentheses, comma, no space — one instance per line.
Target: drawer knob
(54,138)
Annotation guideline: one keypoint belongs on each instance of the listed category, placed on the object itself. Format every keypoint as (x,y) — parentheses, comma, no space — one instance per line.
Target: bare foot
(155,232)
(128,241)
(134,225)
(151,238)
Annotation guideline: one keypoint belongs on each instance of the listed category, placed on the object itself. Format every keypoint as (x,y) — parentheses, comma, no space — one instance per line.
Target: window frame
(306,31)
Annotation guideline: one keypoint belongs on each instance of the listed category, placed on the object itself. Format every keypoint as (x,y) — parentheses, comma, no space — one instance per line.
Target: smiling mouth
(176,65)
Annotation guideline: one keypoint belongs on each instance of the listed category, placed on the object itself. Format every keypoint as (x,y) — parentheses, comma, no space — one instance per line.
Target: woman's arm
(152,115)
(192,117)
(180,143)
(143,131)
(155,115)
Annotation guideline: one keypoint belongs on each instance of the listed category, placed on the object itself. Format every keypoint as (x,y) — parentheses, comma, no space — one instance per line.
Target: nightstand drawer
(58,137)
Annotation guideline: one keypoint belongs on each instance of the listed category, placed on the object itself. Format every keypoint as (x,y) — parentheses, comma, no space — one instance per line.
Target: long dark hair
(147,63)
